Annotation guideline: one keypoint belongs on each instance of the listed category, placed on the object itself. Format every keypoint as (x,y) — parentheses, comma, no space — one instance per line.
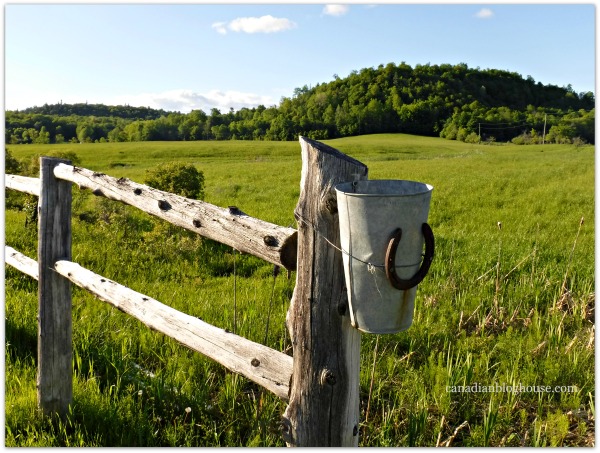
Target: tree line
(452,101)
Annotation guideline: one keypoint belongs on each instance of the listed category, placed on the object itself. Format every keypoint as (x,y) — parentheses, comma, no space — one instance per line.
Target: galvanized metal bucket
(383,227)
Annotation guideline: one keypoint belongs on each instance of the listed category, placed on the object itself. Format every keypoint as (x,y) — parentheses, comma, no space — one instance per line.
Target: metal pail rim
(349,188)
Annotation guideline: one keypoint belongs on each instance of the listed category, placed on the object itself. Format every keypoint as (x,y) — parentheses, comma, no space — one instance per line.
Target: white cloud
(187,100)
(221,27)
(335,10)
(484,13)
(263,24)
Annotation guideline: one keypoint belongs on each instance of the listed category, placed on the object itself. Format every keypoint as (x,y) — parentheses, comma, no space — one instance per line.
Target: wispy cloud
(221,27)
(187,100)
(335,10)
(484,13)
(263,24)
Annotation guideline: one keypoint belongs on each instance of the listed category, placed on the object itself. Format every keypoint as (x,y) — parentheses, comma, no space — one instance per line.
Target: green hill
(451,101)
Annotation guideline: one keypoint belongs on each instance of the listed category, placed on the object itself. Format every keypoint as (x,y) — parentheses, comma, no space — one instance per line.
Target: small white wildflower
(188,410)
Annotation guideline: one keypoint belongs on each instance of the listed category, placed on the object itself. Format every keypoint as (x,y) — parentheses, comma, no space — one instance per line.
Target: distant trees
(452,101)
(520,127)
(98,110)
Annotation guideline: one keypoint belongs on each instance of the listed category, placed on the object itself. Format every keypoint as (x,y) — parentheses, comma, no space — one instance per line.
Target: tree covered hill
(452,101)
(101,110)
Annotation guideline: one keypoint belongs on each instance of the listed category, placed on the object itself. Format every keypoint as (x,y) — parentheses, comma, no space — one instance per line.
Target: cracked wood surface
(324,398)
(265,366)
(273,243)
(55,325)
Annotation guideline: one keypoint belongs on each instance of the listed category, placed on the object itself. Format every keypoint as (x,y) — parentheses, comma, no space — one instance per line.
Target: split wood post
(324,391)
(55,371)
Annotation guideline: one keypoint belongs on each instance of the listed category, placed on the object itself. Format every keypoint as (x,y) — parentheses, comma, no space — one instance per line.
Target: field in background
(511,305)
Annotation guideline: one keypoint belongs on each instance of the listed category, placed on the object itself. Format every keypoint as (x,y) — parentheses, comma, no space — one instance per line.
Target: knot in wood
(271,241)
(255,362)
(327,377)
(331,205)
(197,223)
(286,430)
(342,308)
(137,191)
(164,205)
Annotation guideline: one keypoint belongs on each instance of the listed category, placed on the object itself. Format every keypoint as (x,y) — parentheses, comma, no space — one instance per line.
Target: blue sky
(188,56)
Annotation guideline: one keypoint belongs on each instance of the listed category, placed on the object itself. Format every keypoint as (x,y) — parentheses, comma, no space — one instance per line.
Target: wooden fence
(320,382)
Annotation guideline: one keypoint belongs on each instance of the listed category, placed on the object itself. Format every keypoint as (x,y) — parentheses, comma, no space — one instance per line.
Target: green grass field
(510,306)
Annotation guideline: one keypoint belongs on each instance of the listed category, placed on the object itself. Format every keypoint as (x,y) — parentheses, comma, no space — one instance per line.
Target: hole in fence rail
(164,205)
(234,210)
(270,241)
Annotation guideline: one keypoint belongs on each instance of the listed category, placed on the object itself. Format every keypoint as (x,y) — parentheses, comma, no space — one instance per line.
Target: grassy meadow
(504,304)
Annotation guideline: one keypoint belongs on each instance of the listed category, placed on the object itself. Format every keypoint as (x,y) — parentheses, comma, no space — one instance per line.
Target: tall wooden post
(324,392)
(55,371)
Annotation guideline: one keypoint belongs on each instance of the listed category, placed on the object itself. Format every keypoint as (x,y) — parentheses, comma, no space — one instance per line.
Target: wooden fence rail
(321,380)
(265,366)
(21,262)
(23,184)
(273,243)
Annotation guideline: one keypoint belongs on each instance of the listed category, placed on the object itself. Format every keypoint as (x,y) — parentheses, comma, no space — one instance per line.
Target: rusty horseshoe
(390,258)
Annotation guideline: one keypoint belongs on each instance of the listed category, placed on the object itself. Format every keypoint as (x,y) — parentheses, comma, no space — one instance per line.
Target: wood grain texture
(324,399)
(21,262)
(55,350)
(265,366)
(273,243)
(23,184)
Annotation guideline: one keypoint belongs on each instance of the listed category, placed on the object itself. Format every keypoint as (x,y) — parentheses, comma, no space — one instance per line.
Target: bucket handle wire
(390,258)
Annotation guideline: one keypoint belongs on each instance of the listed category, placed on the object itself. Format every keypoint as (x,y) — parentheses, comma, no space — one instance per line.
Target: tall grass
(510,305)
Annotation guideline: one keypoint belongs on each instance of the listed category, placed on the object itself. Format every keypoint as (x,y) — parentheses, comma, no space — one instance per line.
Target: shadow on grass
(21,343)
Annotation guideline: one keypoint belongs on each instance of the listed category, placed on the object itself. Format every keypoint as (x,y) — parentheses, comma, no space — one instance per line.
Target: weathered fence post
(324,392)
(55,373)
